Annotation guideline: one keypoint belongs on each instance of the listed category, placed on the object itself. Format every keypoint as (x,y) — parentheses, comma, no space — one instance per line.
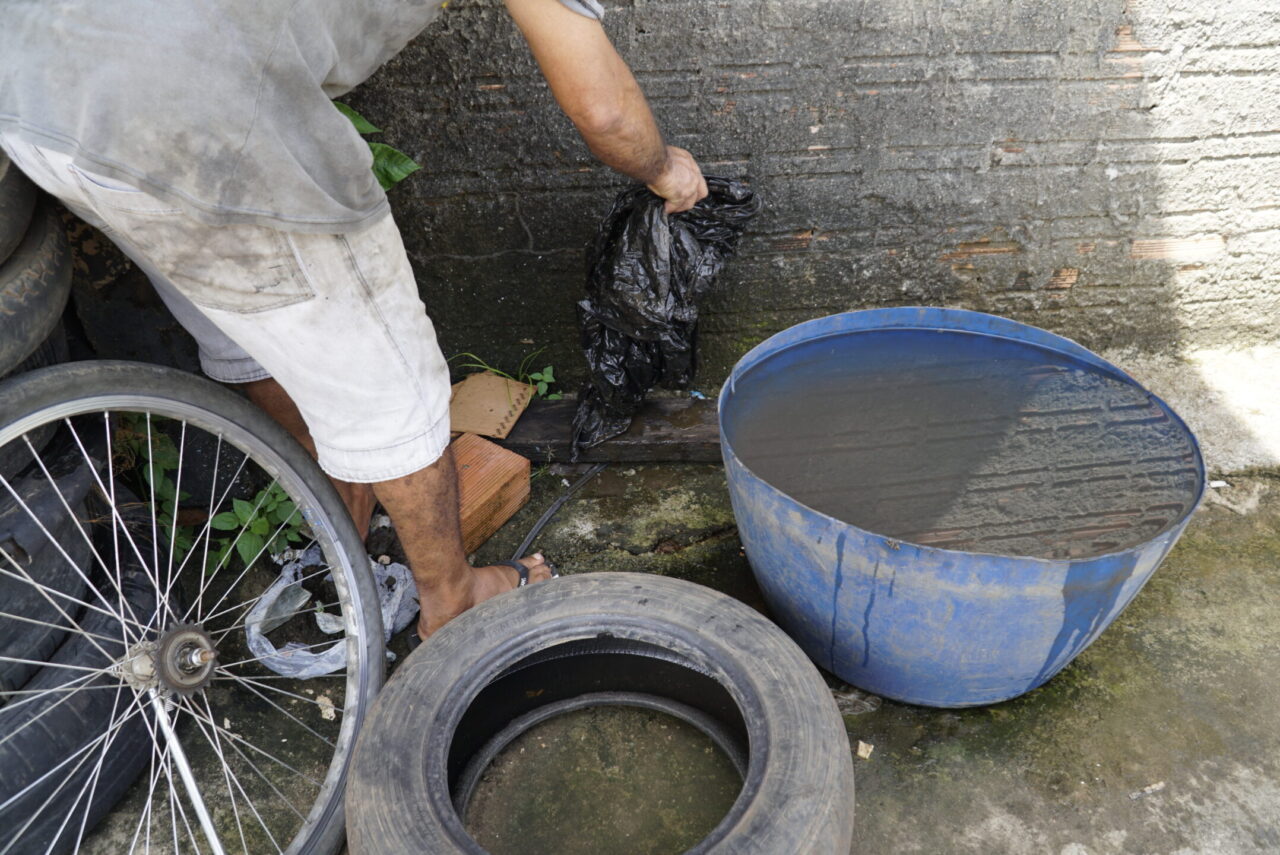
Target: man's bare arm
(597,91)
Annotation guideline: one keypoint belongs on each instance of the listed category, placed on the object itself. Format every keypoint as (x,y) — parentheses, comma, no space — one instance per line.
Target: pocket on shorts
(238,268)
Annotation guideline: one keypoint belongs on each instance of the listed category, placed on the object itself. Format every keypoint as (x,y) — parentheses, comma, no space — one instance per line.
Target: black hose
(555,506)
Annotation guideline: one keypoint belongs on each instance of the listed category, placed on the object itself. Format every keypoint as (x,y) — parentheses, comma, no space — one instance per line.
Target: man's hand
(681,182)
(597,91)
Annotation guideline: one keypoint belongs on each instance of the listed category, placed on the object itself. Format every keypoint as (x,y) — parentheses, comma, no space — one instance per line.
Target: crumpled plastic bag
(646,272)
(397,597)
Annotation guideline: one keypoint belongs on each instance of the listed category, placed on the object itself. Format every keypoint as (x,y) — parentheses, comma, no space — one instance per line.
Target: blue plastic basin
(946,507)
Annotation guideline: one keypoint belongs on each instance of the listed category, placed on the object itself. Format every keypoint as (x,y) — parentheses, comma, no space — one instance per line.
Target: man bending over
(200,137)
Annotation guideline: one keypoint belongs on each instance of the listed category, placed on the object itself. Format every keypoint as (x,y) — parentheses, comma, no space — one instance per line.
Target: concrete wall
(1104,169)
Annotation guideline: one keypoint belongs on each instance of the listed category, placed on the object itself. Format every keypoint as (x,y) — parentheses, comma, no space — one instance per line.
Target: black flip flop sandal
(524,571)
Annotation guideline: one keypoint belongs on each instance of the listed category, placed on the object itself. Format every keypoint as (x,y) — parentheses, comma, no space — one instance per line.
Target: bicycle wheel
(156,715)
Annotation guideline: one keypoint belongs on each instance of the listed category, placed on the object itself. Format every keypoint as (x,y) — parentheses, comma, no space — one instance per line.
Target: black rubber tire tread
(76,381)
(15,457)
(17,202)
(35,283)
(798,795)
(68,726)
(23,540)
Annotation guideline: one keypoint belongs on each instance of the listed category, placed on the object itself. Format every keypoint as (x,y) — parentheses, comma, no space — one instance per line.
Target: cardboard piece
(493,483)
(487,404)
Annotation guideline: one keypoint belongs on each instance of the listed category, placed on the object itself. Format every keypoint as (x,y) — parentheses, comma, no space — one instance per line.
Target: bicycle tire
(52,351)
(80,395)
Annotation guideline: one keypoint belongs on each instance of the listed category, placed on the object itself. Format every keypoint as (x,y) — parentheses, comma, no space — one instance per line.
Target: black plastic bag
(646,273)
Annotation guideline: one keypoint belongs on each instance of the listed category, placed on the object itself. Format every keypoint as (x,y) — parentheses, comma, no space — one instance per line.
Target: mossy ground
(1178,697)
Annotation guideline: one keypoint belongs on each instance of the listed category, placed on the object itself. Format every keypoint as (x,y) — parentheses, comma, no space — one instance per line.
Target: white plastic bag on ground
(397,597)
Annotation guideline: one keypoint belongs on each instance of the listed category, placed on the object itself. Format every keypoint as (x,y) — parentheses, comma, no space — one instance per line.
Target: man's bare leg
(424,509)
(271,397)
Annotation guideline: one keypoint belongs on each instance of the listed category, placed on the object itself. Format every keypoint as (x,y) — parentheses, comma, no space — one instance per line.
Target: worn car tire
(605,633)
(66,723)
(17,202)
(29,620)
(35,283)
(13,457)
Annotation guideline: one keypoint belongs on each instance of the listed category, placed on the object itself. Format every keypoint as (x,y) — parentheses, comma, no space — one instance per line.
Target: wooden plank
(666,430)
(493,483)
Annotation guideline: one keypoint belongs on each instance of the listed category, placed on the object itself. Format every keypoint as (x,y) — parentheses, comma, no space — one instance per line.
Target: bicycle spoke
(226,780)
(337,675)
(207,532)
(92,785)
(151,488)
(328,643)
(11,734)
(45,589)
(247,605)
(300,722)
(159,748)
(254,681)
(119,581)
(73,628)
(63,612)
(173,797)
(58,546)
(223,633)
(85,750)
(233,738)
(208,524)
(228,774)
(177,498)
(38,693)
(119,520)
(258,772)
(248,565)
(54,665)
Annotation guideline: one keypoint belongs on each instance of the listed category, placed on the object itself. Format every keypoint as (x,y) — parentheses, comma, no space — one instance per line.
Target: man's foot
(439,606)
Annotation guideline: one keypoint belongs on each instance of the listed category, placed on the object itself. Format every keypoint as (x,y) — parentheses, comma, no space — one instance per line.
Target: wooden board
(487,404)
(665,430)
(493,483)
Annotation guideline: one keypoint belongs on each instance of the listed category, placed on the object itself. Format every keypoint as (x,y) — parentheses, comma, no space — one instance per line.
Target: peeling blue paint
(866,617)
(835,598)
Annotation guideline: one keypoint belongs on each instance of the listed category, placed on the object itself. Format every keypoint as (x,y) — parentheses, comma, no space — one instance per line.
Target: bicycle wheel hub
(181,661)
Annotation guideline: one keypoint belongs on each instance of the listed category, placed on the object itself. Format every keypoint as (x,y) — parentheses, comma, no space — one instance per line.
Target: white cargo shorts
(335,319)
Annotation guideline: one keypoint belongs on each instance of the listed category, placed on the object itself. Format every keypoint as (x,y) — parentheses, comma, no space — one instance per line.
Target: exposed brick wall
(1104,169)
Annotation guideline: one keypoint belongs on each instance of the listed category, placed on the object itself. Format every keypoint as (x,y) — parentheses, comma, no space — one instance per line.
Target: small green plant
(269,519)
(541,381)
(140,445)
(390,165)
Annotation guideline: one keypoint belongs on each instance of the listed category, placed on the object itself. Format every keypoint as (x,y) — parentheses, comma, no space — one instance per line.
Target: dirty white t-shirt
(220,106)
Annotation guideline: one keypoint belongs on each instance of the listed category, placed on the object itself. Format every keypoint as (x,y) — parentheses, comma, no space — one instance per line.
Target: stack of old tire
(41,543)
(35,281)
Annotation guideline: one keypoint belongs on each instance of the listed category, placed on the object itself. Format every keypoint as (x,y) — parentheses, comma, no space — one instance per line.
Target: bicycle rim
(234,754)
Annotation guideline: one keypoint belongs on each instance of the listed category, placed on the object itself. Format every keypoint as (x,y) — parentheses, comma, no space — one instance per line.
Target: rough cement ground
(1164,737)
